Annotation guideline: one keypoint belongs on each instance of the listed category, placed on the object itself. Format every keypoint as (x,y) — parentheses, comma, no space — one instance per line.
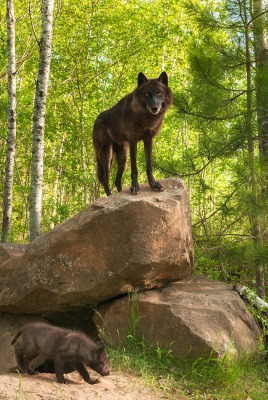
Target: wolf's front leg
(59,370)
(80,368)
(154,185)
(134,171)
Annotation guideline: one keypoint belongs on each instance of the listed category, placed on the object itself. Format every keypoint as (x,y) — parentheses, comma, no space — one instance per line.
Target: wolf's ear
(142,79)
(163,78)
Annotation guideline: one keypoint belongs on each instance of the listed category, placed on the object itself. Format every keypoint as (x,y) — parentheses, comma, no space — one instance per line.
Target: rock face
(3,255)
(118,244)
(8,251)
(121,244)
(196,316)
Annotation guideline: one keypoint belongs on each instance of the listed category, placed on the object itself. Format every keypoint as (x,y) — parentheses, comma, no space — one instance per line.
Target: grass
(203,378)
(213,379)
(19,394)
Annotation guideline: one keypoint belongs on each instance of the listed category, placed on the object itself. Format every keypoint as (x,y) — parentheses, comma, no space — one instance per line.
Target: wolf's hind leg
(27,363)
(20,360)
(104,161)
(24,361)
(120,151)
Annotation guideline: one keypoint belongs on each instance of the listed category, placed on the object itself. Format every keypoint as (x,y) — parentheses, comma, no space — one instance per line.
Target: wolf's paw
(62,380)
(157,187)
(94,381)
(134,189)
(31,371)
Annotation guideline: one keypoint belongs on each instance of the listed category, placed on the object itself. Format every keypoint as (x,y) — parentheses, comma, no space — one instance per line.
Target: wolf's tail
(16,337)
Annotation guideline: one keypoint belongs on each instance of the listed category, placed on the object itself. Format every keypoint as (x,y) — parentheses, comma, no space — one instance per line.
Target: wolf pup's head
(100,361)
(155,92)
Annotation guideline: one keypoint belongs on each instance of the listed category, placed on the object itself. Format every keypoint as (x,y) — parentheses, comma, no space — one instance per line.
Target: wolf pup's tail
(16,337)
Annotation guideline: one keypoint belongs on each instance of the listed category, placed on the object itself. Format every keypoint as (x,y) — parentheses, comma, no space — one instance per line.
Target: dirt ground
(44,386)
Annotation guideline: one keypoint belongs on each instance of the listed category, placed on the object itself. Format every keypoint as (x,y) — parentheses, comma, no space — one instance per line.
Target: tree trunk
(261,57)
(253,188)
(39,119)
(11,136)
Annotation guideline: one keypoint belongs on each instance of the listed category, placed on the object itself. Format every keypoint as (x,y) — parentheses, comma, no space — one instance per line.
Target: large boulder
(197,317)
(3,255)
(118,244)
(8,251)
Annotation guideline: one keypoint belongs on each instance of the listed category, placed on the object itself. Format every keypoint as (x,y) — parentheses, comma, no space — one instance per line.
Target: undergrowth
(217,379)
(204,378)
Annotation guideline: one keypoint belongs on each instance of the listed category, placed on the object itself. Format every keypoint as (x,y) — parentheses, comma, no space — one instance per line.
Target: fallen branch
(261,315)
(251,298)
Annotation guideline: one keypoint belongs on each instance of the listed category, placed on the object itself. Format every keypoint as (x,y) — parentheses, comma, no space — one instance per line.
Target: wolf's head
(99,362)
(155,93)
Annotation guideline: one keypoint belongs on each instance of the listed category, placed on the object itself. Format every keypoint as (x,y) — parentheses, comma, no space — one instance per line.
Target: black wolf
(62,346)
(138,116)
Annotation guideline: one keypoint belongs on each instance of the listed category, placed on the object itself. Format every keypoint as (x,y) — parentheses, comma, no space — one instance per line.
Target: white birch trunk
(39,119)
(11,136)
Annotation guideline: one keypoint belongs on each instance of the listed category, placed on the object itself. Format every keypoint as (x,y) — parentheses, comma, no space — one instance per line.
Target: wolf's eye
(159,94)
(147,94)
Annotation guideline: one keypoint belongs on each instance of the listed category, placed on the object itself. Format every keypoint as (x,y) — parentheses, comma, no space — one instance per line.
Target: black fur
(138,116)
(62,346)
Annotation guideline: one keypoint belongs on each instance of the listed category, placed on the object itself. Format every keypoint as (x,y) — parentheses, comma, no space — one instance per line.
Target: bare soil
(116,386)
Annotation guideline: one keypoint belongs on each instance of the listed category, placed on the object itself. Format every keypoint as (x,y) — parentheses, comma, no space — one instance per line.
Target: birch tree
(11,136)
(39,119)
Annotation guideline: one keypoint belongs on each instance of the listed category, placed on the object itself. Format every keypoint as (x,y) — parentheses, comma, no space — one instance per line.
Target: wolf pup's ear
(142,79)
(163,78)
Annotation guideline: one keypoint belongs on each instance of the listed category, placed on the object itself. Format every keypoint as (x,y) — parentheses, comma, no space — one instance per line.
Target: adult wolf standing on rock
(137,116)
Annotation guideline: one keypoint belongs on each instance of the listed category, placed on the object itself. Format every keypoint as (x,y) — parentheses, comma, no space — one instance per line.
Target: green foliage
(231,260)
(192,379)
(98,49)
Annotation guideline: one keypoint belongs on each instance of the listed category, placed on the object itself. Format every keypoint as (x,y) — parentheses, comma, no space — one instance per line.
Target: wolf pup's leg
(24,362)
(27,363)
(59,370)
(80,368)
(148,156)
(20,360)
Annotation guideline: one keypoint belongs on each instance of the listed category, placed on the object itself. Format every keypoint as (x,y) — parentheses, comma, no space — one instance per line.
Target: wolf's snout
(105,371)
(154,110)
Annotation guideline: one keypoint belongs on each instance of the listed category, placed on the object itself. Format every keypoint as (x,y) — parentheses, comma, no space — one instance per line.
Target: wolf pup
(138,116)
(62,346)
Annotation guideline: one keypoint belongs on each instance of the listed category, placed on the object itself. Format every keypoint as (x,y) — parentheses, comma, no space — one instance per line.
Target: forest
(214,137)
